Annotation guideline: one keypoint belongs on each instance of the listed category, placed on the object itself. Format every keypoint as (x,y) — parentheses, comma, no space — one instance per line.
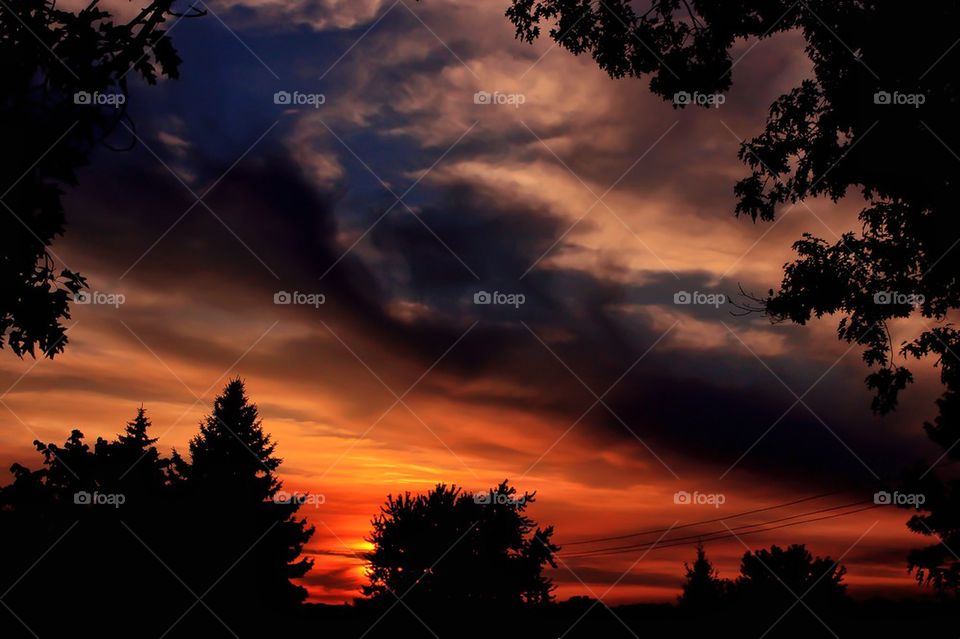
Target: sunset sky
(398,199)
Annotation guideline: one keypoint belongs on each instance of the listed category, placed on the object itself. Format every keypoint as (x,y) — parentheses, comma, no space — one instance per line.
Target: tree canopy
(457,548)
(876,120)
(63,87)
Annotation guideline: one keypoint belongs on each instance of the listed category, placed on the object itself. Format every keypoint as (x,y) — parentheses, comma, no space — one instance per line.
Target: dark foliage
(118,541)
(703,590)
(63,88)
(447,553)
(766,593)
(433,541)
(876,119)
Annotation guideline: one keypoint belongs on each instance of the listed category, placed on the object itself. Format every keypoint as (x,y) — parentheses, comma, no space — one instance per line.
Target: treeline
(114,539)
(117,540)
(787,588)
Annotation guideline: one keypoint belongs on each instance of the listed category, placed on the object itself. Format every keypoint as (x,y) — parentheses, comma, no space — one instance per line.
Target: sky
(388,188)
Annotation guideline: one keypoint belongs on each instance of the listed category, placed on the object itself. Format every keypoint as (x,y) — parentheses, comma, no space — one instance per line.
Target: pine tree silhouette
(703,589)
(136,467)
(231,488)
(232,447)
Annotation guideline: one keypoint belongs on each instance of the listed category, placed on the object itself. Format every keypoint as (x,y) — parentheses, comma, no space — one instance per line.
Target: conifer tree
(703,587)
(231,483)
(136,468)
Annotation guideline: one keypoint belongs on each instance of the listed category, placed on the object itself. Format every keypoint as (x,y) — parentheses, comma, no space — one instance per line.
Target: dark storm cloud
(405,294)
(687,403)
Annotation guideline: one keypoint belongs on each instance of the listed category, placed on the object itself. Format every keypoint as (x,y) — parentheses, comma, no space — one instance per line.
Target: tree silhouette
(60,77)
(153,564)
(134,536)
(135,467)
(771,581)
(71,514)
(448,548)
(232,491)
(703,589)
(939,519)
(876,119)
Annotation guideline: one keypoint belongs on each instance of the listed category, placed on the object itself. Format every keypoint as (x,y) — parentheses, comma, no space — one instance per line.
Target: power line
(796,523)
(705,521)
(735,528)
(715,536)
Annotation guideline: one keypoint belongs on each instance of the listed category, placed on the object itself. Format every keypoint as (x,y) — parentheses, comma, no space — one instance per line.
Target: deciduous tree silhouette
(771,581)
(875,118)
(938,519)
(451,549)
(55,68)
(878,118)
